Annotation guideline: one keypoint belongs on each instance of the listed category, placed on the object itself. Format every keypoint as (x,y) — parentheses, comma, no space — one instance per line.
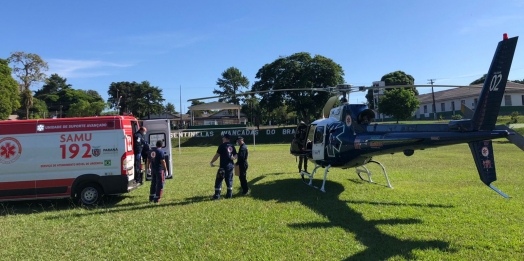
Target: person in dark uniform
(227,153)
(301,137)
(157,164)
(242,164)
(139,141)
(145,156)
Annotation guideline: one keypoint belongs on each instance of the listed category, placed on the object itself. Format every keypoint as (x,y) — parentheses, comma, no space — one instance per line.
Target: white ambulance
(82,158)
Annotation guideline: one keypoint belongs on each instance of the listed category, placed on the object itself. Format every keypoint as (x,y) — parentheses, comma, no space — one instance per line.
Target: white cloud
(82,68)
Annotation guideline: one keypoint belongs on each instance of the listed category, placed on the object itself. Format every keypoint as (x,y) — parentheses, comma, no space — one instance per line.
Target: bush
(456,117)
(514,117)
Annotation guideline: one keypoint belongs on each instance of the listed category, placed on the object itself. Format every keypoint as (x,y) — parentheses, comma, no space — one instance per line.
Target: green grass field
(438,210)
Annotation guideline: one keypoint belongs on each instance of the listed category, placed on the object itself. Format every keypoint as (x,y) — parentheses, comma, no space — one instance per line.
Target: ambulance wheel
(89,194)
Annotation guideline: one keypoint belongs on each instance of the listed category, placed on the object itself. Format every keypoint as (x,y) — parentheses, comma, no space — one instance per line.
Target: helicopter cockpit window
(319,135)
(366,117)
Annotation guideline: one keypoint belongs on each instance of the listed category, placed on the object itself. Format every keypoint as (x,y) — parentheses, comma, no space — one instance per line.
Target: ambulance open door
(160,130)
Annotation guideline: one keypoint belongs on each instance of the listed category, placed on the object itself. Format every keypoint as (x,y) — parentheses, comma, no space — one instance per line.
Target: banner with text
(214,137)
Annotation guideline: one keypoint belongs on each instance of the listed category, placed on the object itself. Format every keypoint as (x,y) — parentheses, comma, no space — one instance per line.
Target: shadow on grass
(398,204)
(379,246)
(106,209)
(47,205)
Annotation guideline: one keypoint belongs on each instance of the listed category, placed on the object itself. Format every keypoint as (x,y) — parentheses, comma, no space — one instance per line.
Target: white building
(376,97)
(448,102)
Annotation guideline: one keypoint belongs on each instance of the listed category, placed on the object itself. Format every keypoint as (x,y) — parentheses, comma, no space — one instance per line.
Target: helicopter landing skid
(363,169)
(310,175)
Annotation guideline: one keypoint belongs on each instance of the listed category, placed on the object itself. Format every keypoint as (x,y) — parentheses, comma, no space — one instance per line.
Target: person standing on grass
(139,143)
(242,164)
(157,164)
(300,136)
(145,156)
(227,153)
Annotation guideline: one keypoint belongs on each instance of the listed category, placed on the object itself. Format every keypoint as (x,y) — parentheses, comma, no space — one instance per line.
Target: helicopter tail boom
(490,98)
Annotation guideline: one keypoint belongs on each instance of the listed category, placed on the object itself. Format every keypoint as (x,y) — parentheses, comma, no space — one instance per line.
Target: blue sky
(190,43)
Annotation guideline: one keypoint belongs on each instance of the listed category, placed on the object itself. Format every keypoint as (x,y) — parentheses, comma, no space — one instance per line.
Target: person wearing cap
(242,164)
(227,153)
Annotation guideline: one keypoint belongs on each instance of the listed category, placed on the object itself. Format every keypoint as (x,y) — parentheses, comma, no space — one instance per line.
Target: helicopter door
(318,143)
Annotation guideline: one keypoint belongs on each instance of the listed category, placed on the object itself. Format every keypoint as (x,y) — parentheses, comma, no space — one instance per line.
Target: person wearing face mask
(242,164)
(139,143)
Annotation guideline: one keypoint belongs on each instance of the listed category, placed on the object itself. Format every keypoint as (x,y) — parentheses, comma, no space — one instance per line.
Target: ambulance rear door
(160,130)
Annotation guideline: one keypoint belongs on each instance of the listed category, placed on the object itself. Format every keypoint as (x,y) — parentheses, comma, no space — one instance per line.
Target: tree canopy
(393,78)
(28,68)
(479,80)
(299,70)
(60,97)
(232,80)
(170,108)
(9,95)
(140,99)
(399,103)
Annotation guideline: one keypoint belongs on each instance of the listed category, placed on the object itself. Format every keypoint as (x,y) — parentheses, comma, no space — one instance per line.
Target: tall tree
(400,103)
(146,100)
(392,78)
(53,84)
(9,98)
(232,79)
(28,68)
(479,80)
(299,70)
(52,90)
(399,78)
(170,108)
(140,99)
(120,96)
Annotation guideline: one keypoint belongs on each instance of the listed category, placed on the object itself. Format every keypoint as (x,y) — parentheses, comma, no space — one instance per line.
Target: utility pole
(180,109)
(431,81)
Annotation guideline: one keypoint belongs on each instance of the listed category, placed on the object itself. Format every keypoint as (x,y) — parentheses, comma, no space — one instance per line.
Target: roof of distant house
(465,92)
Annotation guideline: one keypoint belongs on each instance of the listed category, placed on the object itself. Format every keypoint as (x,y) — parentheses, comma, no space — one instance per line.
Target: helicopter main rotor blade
(266,91)
(364,88)
(340,88)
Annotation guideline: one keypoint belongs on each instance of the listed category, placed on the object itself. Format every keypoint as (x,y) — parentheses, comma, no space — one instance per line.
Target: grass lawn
(438,210)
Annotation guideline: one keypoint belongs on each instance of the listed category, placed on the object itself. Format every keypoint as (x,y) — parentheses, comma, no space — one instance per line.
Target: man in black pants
(300,135)
(242,164)
(139,143)
(227,153)
(157,164)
